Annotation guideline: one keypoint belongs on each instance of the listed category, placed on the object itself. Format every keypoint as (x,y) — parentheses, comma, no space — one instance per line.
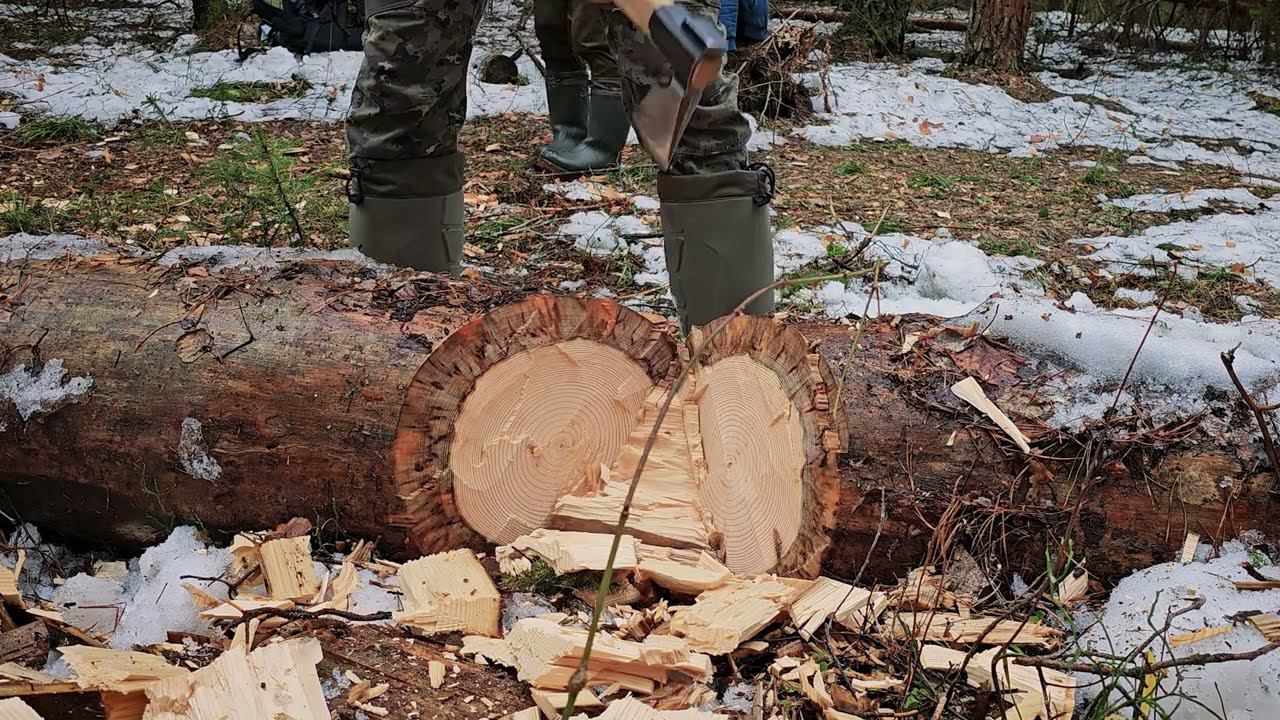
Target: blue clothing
(745,21)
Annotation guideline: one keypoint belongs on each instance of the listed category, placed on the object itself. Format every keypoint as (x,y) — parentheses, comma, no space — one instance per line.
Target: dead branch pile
(767,85)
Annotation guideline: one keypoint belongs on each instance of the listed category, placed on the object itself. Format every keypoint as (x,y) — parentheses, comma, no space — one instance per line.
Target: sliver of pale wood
(724,618)
(15,709)
(448,592)
(666,509)
(686,572)
(287,565)
(551,703)
(277,680)
(1036,691)
(631,709)
(826,599)
(971,392)
(952,628)
(119,671)
(568,552)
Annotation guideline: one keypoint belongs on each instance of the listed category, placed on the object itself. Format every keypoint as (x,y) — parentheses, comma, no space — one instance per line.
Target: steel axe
(695,49)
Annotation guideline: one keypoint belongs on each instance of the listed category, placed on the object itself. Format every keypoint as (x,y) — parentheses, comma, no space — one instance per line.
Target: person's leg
(753,22)
(715,215)
(607,123)
(566,74)
(729,19)
(408,104)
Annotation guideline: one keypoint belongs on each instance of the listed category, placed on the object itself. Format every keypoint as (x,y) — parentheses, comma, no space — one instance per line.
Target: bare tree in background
(997,34)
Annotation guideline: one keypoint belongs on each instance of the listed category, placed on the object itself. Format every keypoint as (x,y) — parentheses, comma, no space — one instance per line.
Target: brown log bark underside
(302,419)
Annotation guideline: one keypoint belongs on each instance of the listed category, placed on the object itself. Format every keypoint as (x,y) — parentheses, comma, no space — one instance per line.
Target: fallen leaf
(192,344)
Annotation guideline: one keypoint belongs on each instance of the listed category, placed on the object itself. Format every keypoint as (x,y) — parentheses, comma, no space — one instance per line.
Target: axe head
(695,49)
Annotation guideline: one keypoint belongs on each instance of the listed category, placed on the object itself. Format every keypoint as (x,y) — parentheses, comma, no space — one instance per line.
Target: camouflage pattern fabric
(409,100)
(571,34)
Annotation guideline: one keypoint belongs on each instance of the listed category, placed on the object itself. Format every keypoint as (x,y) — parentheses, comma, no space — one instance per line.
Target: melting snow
(43,392)
(1248,689)
(1194,200)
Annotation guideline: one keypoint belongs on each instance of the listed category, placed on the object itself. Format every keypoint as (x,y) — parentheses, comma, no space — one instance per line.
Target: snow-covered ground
(1175,114)
(1137,609)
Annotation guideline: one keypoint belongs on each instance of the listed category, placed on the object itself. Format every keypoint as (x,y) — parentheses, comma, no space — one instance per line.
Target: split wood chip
(1074,588)
(1029,684)
(9,583)
(952,628)
(449,592)
(288,568)
(684,572)
(235,609)
(201,598)
(487,649)
(1202,634)
(971,392)
(15,709)
(551,703)
(275,681)
(529,713)
(55,619)
(667,507)
(724,618)
(629,708)
(546,655)
(826,599)
(1268,624)
(567,551)
(1189,545)
(120,671)
(435,673)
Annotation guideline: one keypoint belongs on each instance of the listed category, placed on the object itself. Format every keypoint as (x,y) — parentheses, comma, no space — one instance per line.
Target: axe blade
(695,49)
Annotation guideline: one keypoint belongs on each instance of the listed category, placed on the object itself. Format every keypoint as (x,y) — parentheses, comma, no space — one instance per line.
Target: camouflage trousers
(410,98)
(574,34)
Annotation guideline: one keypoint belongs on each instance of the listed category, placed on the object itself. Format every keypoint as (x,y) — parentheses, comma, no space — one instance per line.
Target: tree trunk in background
(881,24)
(239,397)
(997,34)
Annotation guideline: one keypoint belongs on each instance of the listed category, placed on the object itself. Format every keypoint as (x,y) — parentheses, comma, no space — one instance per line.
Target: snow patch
(44,392)
(1194,200)
(194,455)
(154,599)
(1248,689)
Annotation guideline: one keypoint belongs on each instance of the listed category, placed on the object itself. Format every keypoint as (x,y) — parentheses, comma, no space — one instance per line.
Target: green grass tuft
(937,181)
(56,128)
(253,91)
(543,580)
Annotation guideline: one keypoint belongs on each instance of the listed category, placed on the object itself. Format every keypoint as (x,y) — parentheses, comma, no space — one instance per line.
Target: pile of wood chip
(679,630)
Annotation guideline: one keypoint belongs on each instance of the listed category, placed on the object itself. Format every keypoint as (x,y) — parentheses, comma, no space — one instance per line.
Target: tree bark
(997,34)
(238,398)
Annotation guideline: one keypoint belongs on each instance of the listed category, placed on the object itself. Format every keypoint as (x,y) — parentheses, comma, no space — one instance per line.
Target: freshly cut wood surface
(629,708)
(287,565)
(277,680)
(117,670)
(533,425)
(953,628)
(568,552)
(449,592)
(687,572)
(724,618)
(515,408)
(1036,692)
(667,508)
(827,599)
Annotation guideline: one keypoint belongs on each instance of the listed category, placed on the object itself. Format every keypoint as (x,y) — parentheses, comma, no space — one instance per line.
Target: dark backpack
(307,26)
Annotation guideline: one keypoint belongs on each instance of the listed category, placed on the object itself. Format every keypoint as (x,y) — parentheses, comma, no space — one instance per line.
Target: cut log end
(536,415)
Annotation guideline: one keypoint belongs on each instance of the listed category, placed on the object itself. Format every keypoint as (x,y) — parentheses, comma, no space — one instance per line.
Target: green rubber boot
(718,243)
(607,128)
(409,213)
(566,109)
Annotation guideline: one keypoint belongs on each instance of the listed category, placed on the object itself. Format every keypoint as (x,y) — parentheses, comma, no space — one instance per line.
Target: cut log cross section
(536,414)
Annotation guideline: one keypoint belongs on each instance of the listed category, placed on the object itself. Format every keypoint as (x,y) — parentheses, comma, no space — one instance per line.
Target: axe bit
(694,48)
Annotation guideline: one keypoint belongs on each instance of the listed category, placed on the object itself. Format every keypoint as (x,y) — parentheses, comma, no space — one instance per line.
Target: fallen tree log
(239,396)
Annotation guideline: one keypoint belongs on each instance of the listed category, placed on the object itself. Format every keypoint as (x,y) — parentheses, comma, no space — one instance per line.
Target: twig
(1259,412)
(1134,360)
(579,677)
(1145,669)
(301,614)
